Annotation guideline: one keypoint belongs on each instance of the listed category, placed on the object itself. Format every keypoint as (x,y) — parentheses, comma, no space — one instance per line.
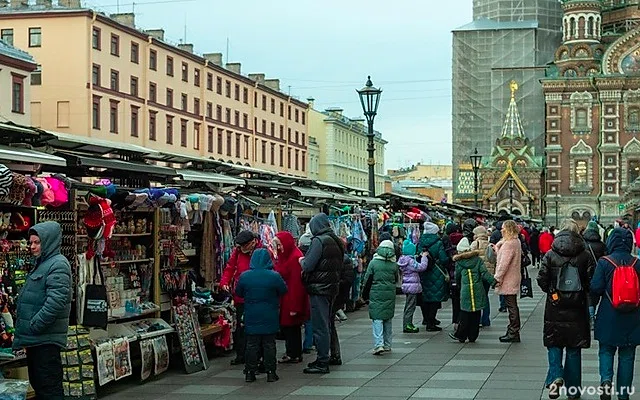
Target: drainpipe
(90,72)
(592,81)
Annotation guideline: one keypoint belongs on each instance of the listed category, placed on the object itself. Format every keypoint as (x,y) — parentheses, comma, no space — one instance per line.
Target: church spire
(512,125)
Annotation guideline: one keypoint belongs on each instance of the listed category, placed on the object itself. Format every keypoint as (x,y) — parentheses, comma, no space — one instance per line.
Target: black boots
(335,361)
(250,376)
(272,377)
(316,368)
(510,339)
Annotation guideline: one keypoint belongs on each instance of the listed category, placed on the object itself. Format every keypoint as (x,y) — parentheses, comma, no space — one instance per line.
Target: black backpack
(568,279)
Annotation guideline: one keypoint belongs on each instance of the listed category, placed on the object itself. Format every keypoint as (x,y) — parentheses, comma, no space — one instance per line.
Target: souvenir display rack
(192,347)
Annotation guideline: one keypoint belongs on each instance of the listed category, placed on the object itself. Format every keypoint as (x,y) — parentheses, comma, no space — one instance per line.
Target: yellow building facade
(16,67)
(103,78)
(421,172)
(343,149)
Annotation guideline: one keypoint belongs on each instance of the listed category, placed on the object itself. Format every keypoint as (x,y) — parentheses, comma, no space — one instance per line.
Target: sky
(325,50)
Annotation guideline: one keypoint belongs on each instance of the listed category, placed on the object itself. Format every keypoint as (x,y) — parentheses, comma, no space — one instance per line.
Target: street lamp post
(476,159)
(556,213)
(370,98)
(510,182)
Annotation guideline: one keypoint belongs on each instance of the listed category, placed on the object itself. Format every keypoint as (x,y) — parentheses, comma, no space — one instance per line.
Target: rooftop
(9,51)
(484,24)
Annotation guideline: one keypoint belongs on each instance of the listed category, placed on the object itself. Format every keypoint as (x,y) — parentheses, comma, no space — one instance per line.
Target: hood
(480,233)
(593,225)
(305,239)
(386,251)
(568,244)
(404,261)
(385,236)
(499,225)
(468,226)
(620,239)
(431,228)
(465,256)
(463,245)
(591,235)
(50,234)
(288,243)
(261,259)
(451,228)
(319,224)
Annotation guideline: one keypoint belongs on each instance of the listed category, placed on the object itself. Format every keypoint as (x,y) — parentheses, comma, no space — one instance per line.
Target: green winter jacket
(44,303)
(435,285)
(470,275)
(383,268)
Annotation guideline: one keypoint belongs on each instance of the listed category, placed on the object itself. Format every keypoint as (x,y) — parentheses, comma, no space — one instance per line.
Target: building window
(297,137)
(227,89)
(115,80)
(273,154)
(581,118)
(196,136)
(227,115)
(219,85)
(297,115)
(273,106)
(273,129)
(153,60)
(238,149)
(196,77)
(289,112)
(152,125)
(288,134)
(209,81)
(236,92)
(246,147)
(297,158)
(264,152)
(245,121)
(113,116)
(134,121)
(633,119)
(135,53)
(581,172)
(36,76)
(264,103)
(169,99)
(169,129)
(196,106)
(264,127)
(6,35)
(95,112)
(183,102)
(219,113)
(634,170)
(220,141)
(115,45)
(281,109)
(153,92)
(281,132)
(229,144)
(95,38)
(303,161)
(210,139)
(209,109)
(95,75)
(289,158)
(35,37)
(169,66)
(236,118)
(255,99)
(281,156)
(134,86)
(303,122)
(303,139)
(245,95)
(185,72)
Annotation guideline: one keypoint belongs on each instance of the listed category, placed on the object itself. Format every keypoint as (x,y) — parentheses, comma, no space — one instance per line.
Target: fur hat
(245,237)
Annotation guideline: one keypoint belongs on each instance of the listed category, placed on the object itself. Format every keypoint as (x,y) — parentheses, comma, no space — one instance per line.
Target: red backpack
(625,287)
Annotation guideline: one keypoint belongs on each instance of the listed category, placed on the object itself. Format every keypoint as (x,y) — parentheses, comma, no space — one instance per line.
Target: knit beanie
(463,245)
(408,248)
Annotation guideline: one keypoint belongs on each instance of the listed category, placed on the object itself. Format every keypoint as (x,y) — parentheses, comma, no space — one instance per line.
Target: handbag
(526,288)
(95,308)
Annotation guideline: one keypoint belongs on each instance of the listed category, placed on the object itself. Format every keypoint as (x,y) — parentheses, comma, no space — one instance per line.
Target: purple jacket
(410,270)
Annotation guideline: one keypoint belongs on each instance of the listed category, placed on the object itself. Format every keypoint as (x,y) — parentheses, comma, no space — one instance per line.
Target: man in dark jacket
(496,235)
(261,288)
(534,247)
(43,309)
(347,276)
(321,268)
(596,250)
(564,277)
(615,330)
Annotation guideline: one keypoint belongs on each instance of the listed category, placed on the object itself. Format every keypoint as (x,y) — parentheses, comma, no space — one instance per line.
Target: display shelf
(132,315)
(141,260)
(211,329)
(123,235)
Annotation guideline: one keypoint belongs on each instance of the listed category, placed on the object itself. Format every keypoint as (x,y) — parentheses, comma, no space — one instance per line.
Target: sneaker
(378,351)
(554,388)
(433,328)
(335,361)
(387,349)
(411,329)
(341,315)
(250,377)
(272,377)
(316,369)
(510,339)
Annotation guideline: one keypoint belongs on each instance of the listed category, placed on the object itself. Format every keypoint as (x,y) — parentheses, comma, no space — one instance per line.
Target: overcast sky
(325,49)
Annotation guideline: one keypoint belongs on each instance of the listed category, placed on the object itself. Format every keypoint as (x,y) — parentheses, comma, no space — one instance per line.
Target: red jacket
(527,237)
(545,242)
(237,264)
(296,300)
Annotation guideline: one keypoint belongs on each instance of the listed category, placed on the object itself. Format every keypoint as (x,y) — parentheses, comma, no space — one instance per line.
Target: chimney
(257,77)
(44,3)
(311,100)
(214,58)
(155,33)
(233,67)
(273,84)
(126,19)
(19,3)
(188,47)
(69,3)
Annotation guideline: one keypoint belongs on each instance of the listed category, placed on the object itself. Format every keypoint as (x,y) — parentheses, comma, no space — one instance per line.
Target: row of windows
(239,94)
(35,36)
(582,119)
(295,158)
(114,84)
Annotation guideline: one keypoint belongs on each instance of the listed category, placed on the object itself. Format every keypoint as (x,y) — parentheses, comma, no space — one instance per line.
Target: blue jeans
(355,286)
(626,359)
(382,333)
(503,304)
(308,336)
(571,373)
(486,312)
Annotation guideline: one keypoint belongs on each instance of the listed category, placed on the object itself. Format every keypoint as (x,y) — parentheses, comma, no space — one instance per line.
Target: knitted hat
(245,237)
(408,248)
(108,217)
(94,220)
(6,179)
(463,245)
(60,191)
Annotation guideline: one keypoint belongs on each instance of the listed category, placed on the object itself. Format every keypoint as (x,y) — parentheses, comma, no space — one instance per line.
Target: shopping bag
(95,310)
(526,288)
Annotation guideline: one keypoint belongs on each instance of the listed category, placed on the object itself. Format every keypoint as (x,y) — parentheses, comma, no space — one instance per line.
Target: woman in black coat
(566,314)
(596,250)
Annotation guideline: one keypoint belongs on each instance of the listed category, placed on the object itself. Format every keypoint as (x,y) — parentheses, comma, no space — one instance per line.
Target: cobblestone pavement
(421,366)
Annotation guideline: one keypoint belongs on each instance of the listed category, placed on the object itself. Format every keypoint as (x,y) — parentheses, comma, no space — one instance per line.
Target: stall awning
(208,177)
(19,154)
(347,198)
(373,201)
(313,193)
(114,164)
(268,184)
(67,141)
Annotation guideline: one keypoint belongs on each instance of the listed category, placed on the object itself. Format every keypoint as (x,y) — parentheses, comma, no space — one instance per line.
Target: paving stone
(325,391)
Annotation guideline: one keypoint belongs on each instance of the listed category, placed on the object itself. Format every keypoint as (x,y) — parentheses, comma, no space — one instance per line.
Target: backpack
(568,279)
(625,287)
(491,255)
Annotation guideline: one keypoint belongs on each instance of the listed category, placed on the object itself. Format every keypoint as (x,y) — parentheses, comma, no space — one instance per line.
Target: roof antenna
(185,28)
(227,50)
